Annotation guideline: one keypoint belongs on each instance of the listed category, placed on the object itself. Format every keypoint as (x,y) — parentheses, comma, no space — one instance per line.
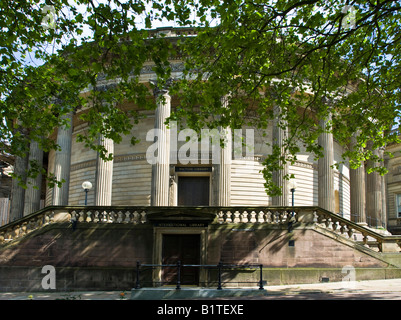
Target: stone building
(131,178)
(207,181)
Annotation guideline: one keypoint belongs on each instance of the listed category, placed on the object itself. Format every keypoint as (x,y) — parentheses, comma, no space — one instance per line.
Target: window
(398,205)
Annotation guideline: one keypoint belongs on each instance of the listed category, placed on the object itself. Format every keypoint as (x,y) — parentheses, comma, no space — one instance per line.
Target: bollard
(137,286)
(178,275)
(219,276)
(261,277)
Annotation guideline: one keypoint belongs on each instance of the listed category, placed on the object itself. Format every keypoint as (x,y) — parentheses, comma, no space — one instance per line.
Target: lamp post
(86,186)
(292,186)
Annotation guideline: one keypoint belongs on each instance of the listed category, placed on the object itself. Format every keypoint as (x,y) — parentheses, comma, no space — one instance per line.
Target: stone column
(224,167)
(374,205)
(18,192)
(63,162)
(357,186)
(104,175)
(223,163)
(161,167)
(384,190)
(34,184)
(279,136)
(325,170)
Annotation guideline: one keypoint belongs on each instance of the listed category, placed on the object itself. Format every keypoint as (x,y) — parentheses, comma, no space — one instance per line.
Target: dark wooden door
(193,191)
(184,248)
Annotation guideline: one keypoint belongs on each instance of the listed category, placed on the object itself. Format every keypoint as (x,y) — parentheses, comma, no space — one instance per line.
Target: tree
(337,57)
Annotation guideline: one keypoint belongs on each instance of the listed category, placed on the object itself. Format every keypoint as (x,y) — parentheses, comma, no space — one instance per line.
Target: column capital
(159,90)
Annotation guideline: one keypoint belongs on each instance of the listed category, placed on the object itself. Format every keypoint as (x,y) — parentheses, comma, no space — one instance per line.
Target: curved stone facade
(229,177)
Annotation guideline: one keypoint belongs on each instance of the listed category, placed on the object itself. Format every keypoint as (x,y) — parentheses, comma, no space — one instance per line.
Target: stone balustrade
(312,217)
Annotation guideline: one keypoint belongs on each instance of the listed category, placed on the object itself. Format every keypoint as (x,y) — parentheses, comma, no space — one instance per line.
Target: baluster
(7,235)
(237,217)
(327,221)
(334,225)
(283,216)
(228,217)
(127,218)
(252,216)
(111,217)
(16,231)
(350,232)
(120,217)
(275,217)
(2,237)
(269,216)
(261,217)
(89,217)
(365,239)
(82,216)
(342,227)
(143,217)
(24,228)
(135,218)
(85,216)
(102,216)
(51,216)
(95,218)
(29,226)
(116,217)
(243,216)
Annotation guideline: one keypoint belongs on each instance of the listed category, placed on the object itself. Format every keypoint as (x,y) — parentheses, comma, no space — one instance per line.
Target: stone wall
(104,256)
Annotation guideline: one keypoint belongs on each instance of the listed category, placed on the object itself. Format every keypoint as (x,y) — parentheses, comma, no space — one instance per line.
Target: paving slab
(370,289)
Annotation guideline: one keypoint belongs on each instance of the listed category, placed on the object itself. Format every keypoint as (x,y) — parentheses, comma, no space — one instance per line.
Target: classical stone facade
(196,199)
(131,179)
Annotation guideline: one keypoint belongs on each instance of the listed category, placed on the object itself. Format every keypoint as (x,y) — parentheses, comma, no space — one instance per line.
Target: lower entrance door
(184,248)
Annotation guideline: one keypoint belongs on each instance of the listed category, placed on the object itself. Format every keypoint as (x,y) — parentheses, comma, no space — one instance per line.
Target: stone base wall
(104,256)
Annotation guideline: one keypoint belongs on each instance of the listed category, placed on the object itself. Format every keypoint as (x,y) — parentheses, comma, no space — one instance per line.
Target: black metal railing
(220,267)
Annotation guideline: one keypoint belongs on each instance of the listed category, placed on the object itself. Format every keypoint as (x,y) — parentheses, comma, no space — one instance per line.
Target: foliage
(327,57)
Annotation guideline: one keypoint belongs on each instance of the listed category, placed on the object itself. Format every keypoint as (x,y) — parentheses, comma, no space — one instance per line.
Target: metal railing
(220,267)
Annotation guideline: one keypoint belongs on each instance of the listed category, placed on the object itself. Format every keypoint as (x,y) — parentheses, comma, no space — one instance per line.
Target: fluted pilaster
(161,167)
(280,133)
(63,162)
(224,195)
(34,185)
(358,193)
(104,175)
(325,170)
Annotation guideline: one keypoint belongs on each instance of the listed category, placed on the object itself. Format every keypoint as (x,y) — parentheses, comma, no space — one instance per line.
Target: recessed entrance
(193,191)
(186,249)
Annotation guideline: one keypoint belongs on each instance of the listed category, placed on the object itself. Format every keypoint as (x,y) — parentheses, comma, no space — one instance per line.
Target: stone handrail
(223,215)
(22,227)
(312,215)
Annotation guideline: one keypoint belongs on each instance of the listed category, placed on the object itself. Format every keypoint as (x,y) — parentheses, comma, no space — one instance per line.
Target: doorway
(186,249)
(193,191)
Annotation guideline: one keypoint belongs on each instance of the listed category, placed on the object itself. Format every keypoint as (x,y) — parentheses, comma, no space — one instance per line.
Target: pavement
(358,290)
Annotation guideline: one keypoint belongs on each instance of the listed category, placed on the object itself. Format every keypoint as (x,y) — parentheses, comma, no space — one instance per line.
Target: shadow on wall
(95,256)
